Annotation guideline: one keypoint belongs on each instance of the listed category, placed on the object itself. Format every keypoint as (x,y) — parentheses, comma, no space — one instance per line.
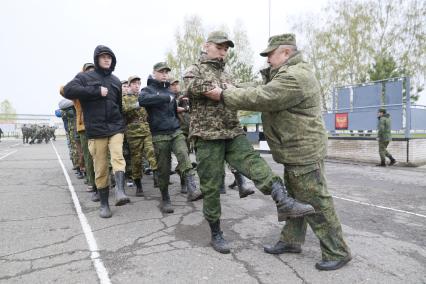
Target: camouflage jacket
(290,102)
(184,117)
(136,118)
(209,120)
(384,128)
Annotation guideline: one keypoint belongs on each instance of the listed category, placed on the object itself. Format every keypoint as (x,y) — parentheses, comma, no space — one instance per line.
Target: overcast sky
(45,43)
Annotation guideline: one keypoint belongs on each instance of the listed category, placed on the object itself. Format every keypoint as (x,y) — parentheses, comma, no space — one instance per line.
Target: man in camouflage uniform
(384,137)
(162,110)
(138,134)
(220,137)
(183,120)
(25,133)
(290,102)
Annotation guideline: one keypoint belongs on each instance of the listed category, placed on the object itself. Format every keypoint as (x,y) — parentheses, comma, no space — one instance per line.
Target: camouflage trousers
(138,147)
(309,185)
(239,153)
(88,161)
(383,152)
(164,145)
(73,146)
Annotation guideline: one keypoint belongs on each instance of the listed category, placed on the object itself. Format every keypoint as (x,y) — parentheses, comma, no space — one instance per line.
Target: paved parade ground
(50,231)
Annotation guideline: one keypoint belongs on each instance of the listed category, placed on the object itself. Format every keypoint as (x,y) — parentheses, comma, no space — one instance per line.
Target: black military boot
(139,190)
(233,184)
(243,190)
(104,211)
(155,176)
(392,161)
(333,264)
(166,205)
(80,174)
(183,187)
(95,194)
(120,196)
(281,247)
(193,192)
(218,242)
(288,207)
(382,163)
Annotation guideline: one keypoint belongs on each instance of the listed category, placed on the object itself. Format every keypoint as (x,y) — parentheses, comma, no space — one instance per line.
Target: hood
(152,82)
(104,49)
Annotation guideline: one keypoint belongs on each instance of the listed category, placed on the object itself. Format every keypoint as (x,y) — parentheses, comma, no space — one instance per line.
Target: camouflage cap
(382,110)
(161,66)
(219,38)
(173,80)
(87,66)
(275,41)
(132,78)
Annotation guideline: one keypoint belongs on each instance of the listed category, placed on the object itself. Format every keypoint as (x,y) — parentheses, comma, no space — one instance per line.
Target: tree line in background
(347,42)
(7,112)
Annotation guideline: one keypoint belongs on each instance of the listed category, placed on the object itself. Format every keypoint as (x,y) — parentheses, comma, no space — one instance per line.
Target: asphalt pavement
(50,231)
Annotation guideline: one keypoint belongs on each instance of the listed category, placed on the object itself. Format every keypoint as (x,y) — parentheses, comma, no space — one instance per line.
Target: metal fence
(354,108)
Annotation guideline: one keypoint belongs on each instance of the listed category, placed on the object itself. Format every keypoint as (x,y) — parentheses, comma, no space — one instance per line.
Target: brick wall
(367,150)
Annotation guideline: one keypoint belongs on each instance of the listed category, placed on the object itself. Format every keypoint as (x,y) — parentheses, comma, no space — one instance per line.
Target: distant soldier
(1,133)
(52,132)
(138,134)
(162,110)
(384,136)
(25,133)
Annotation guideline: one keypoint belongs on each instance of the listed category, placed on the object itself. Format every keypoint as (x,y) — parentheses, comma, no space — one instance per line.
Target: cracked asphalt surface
(42,241)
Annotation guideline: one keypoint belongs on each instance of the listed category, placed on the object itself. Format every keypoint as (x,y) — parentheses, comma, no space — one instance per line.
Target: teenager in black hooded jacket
(99,92)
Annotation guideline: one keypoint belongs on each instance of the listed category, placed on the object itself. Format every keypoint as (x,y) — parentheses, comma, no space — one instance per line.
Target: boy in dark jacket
(99,92)
(162,109)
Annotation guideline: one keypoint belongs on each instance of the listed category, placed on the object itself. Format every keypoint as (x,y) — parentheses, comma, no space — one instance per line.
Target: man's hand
(104,91)
(214,94)
(180,109)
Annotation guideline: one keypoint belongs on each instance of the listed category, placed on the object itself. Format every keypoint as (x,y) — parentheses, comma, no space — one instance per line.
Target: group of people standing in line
(289,100)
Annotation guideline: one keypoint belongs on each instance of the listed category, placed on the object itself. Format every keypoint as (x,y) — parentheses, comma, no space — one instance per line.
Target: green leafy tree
(7,112)
(348,37)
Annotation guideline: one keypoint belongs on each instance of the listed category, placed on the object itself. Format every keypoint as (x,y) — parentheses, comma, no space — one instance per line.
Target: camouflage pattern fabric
(139,146)
(308,184)
(136,118)
(138,134)
(70,117)
(384,128)
(164,145)
(210,120)
(290,102)
(239,153)
(127,158)
(383,152)
(88,161)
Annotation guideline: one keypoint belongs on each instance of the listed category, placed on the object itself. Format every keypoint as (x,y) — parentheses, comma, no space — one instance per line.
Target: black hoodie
(102,115)
(160,103)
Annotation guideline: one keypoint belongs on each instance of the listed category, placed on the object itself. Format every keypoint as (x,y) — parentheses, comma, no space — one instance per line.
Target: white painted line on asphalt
(90,238)
(14,145)
(381,207)
(10,153)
